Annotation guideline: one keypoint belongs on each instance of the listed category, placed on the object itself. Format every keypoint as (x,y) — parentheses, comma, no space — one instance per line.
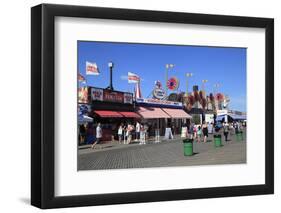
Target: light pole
(215,105)
(189,74)
(204,81)
(168,66)
(110,65)
(216,86)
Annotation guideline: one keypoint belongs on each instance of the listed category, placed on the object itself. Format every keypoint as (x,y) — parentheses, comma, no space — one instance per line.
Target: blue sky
(226,66)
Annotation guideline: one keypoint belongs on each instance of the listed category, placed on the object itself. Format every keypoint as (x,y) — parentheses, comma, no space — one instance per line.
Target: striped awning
(176,113)
(151,112)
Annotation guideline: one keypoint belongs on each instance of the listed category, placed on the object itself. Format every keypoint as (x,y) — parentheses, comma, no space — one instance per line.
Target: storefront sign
(128,98)
(97,94)
(158,102)
(159,93)
(112,96)
(236,112)
(83,95)
(222,112)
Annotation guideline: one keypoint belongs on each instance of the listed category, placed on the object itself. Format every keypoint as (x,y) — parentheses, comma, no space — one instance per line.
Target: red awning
(176,113)
(107,114)
(151,112)
(129,114)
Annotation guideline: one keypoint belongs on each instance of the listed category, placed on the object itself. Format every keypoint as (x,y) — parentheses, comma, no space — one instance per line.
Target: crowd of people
(127,131)
(201,132)
(140,132)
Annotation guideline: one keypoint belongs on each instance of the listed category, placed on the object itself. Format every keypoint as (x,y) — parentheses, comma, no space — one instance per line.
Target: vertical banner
(83,95)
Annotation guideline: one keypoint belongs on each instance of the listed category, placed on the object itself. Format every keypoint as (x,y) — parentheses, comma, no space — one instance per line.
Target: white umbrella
(84,119)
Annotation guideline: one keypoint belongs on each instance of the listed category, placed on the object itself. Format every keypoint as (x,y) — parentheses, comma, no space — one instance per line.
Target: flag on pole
(92,68)
(81,78)
(133,78)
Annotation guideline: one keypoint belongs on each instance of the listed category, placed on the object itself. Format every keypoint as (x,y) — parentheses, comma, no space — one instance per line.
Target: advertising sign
(83,95)
(159,93)
(209,118)
(158,102)
(128,98)
(173,83)
(112,96)
(97,94)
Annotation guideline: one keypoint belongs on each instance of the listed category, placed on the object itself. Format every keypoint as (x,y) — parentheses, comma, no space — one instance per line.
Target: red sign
(173,83)
(112,96)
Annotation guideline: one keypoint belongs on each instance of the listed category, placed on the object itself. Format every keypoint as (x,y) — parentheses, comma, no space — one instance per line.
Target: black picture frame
(43,105)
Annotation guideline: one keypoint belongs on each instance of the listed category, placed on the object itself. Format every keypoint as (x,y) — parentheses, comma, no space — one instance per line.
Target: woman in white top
(120,133)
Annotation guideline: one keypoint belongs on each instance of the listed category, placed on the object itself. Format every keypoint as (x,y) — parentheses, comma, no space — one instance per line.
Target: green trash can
(217,141)
(239,136)
(188,147)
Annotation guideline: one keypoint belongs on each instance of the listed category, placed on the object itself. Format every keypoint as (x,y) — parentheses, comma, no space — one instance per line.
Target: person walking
(120,133)
(138,131)
(191,133)
(205,131)
(98,135)
(231,129)
(142,135)
(225,130)
(187,130)
(129,133)
(195,131)
(199,133)
(82,134)
(236,127)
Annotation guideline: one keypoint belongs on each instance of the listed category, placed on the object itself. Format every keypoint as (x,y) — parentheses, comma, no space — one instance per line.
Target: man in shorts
(98,135)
